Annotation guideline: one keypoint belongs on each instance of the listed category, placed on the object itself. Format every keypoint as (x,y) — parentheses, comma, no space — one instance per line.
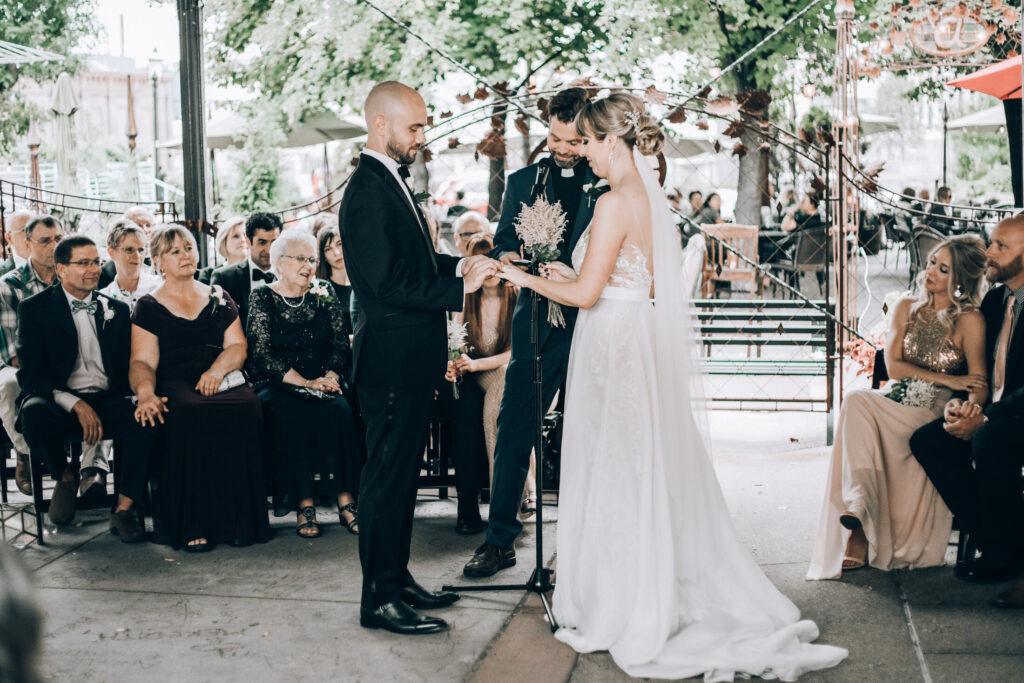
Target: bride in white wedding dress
(650,567)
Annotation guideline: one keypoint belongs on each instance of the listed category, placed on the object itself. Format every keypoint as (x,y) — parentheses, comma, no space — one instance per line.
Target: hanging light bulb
(715,72)
(808,90)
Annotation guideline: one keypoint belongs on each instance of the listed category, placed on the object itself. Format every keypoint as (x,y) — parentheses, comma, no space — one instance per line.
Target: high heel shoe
(354,524)
(309,514)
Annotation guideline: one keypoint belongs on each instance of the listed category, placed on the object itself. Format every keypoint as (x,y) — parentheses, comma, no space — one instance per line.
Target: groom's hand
(509,256)
(474,272)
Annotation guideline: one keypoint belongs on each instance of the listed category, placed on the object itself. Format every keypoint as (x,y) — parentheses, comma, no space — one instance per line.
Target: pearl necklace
(284,298)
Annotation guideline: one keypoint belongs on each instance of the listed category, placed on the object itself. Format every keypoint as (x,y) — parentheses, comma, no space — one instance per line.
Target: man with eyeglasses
(42,234)
(14,235)
(467,226)
(74,346)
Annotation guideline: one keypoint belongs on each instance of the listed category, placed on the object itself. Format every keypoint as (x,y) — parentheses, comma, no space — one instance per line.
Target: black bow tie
(258,275)
(403,173)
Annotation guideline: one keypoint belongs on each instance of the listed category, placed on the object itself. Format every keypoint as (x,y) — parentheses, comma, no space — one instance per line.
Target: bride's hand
(512,274)
(556,271)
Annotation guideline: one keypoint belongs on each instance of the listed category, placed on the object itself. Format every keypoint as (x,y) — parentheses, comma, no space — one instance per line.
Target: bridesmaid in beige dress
(880,508)
(488,314)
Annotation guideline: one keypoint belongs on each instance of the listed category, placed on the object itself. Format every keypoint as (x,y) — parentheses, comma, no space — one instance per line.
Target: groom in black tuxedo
(400,348)
(564,177)
(974,457)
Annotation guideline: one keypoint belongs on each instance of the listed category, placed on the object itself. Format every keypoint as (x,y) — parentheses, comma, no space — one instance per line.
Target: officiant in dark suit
(973,456)
(238,280)
(404,288)
(74,345)
(564,177)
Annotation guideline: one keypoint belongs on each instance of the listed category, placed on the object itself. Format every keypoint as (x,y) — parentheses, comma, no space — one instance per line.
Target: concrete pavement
(288,609)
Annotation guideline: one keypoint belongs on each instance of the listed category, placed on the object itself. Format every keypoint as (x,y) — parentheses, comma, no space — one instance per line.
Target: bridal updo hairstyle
(615,115)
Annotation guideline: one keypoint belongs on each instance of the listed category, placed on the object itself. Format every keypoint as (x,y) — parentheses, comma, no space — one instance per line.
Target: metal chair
(922,241)
(812,252)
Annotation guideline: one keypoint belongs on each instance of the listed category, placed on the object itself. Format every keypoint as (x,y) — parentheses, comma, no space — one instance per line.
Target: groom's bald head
(396,117)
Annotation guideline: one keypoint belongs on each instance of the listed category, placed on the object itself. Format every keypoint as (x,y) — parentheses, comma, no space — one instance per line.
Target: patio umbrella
(1000,80)
(1003,80)
(64,105)
(877,123)
(991,120)
(225,131)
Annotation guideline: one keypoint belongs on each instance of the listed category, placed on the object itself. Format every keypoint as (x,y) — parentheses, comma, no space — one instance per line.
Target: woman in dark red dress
(187,348)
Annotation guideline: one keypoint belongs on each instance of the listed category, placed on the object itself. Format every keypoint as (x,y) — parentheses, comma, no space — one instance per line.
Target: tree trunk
(496,181)
(751,183)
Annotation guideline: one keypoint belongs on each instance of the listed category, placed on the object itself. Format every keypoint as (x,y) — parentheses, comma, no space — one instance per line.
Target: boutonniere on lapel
(107,311)
(421,197)
(321,290)
(595,190)
(217,297)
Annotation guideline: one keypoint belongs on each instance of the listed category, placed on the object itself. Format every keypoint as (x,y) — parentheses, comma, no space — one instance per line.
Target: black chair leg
(35,474)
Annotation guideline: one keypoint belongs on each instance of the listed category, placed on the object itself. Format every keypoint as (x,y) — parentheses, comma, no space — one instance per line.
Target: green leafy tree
(54,25)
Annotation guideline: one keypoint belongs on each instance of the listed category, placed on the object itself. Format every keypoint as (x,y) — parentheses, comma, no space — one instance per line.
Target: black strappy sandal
(351,526)
(309,512)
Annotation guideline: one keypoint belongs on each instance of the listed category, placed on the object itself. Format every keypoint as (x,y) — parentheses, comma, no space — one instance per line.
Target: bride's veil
(681,394)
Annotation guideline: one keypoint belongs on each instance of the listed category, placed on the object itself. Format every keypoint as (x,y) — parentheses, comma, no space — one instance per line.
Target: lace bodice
(631,270)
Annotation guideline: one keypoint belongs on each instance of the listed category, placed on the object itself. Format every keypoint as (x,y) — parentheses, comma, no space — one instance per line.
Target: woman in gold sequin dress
(880,508)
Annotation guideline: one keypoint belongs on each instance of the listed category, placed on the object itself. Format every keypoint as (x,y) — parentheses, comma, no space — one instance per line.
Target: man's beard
(400,155)
(1004,273)
(566,164)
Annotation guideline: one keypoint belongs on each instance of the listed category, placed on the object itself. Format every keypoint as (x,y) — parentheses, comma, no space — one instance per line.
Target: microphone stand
(540,580)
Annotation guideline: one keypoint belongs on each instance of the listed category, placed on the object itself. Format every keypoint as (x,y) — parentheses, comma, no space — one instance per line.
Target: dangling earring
(611,157)
(957,293)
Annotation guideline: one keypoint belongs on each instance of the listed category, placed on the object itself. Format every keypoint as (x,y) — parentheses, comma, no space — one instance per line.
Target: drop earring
(611,158)
(957,293)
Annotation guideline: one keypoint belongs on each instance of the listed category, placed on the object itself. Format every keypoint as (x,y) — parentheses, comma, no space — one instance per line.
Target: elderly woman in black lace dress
(299,354)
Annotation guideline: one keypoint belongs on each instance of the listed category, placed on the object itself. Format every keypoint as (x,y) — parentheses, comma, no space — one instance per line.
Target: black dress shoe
(489,560)
(398,617)
(419,597)
(988,571)
(469,527)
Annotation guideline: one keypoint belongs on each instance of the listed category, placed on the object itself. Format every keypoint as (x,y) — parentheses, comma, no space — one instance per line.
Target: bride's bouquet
(913,392)
(458,344)
(541,227)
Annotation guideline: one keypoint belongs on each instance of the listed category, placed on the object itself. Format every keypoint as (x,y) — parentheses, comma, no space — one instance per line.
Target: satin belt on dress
(625,294)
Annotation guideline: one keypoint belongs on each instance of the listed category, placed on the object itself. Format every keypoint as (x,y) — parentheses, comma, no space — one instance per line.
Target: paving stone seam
(908,617)
(68,551)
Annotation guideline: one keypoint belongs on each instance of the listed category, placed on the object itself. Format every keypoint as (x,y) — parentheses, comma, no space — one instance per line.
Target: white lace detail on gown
(649,565)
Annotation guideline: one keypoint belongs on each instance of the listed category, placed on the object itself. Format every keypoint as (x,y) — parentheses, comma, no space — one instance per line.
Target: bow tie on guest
(88,306)
(403,173)
(258,275)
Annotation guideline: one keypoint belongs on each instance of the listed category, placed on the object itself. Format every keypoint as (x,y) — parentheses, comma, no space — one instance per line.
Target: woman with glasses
(299,357)
(126,245)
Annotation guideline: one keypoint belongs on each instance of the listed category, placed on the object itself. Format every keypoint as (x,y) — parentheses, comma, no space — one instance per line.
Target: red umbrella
(1000,80)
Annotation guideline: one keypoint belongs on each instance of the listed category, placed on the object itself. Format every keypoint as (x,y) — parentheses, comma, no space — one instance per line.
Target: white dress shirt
(88,375)
(18,261)
(148,282)
(255,284)
(392,166)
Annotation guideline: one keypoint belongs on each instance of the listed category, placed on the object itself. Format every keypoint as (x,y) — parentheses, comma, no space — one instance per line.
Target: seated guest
(488,317)
(300,359)
(126,245)
(459,207)
(186,341)
(231,247)
(800,217)
(42,234)
(17,245)
(468,226)
(73,351)
(880,509)
(240,279)
(139,217)
(696,202)
(972,454)
(321,222)
(922,203)
(710,211)
(331,268)
(938,218)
